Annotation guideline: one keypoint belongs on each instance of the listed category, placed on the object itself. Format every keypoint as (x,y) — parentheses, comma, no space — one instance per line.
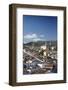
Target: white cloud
(42,36)
(30,36)
(37,39)
(33,37)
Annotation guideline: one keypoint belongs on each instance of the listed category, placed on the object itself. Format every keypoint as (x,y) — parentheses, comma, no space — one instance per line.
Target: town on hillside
(40,57)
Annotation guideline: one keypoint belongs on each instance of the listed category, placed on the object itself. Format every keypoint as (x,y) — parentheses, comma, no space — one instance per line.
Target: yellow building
(45,50)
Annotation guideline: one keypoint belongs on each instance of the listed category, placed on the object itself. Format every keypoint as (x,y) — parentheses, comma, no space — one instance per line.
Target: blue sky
(37,28)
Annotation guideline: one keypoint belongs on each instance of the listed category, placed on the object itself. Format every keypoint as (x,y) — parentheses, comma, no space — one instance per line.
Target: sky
(39,28)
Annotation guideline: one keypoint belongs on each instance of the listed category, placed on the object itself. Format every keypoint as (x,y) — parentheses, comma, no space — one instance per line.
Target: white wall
(4,44)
